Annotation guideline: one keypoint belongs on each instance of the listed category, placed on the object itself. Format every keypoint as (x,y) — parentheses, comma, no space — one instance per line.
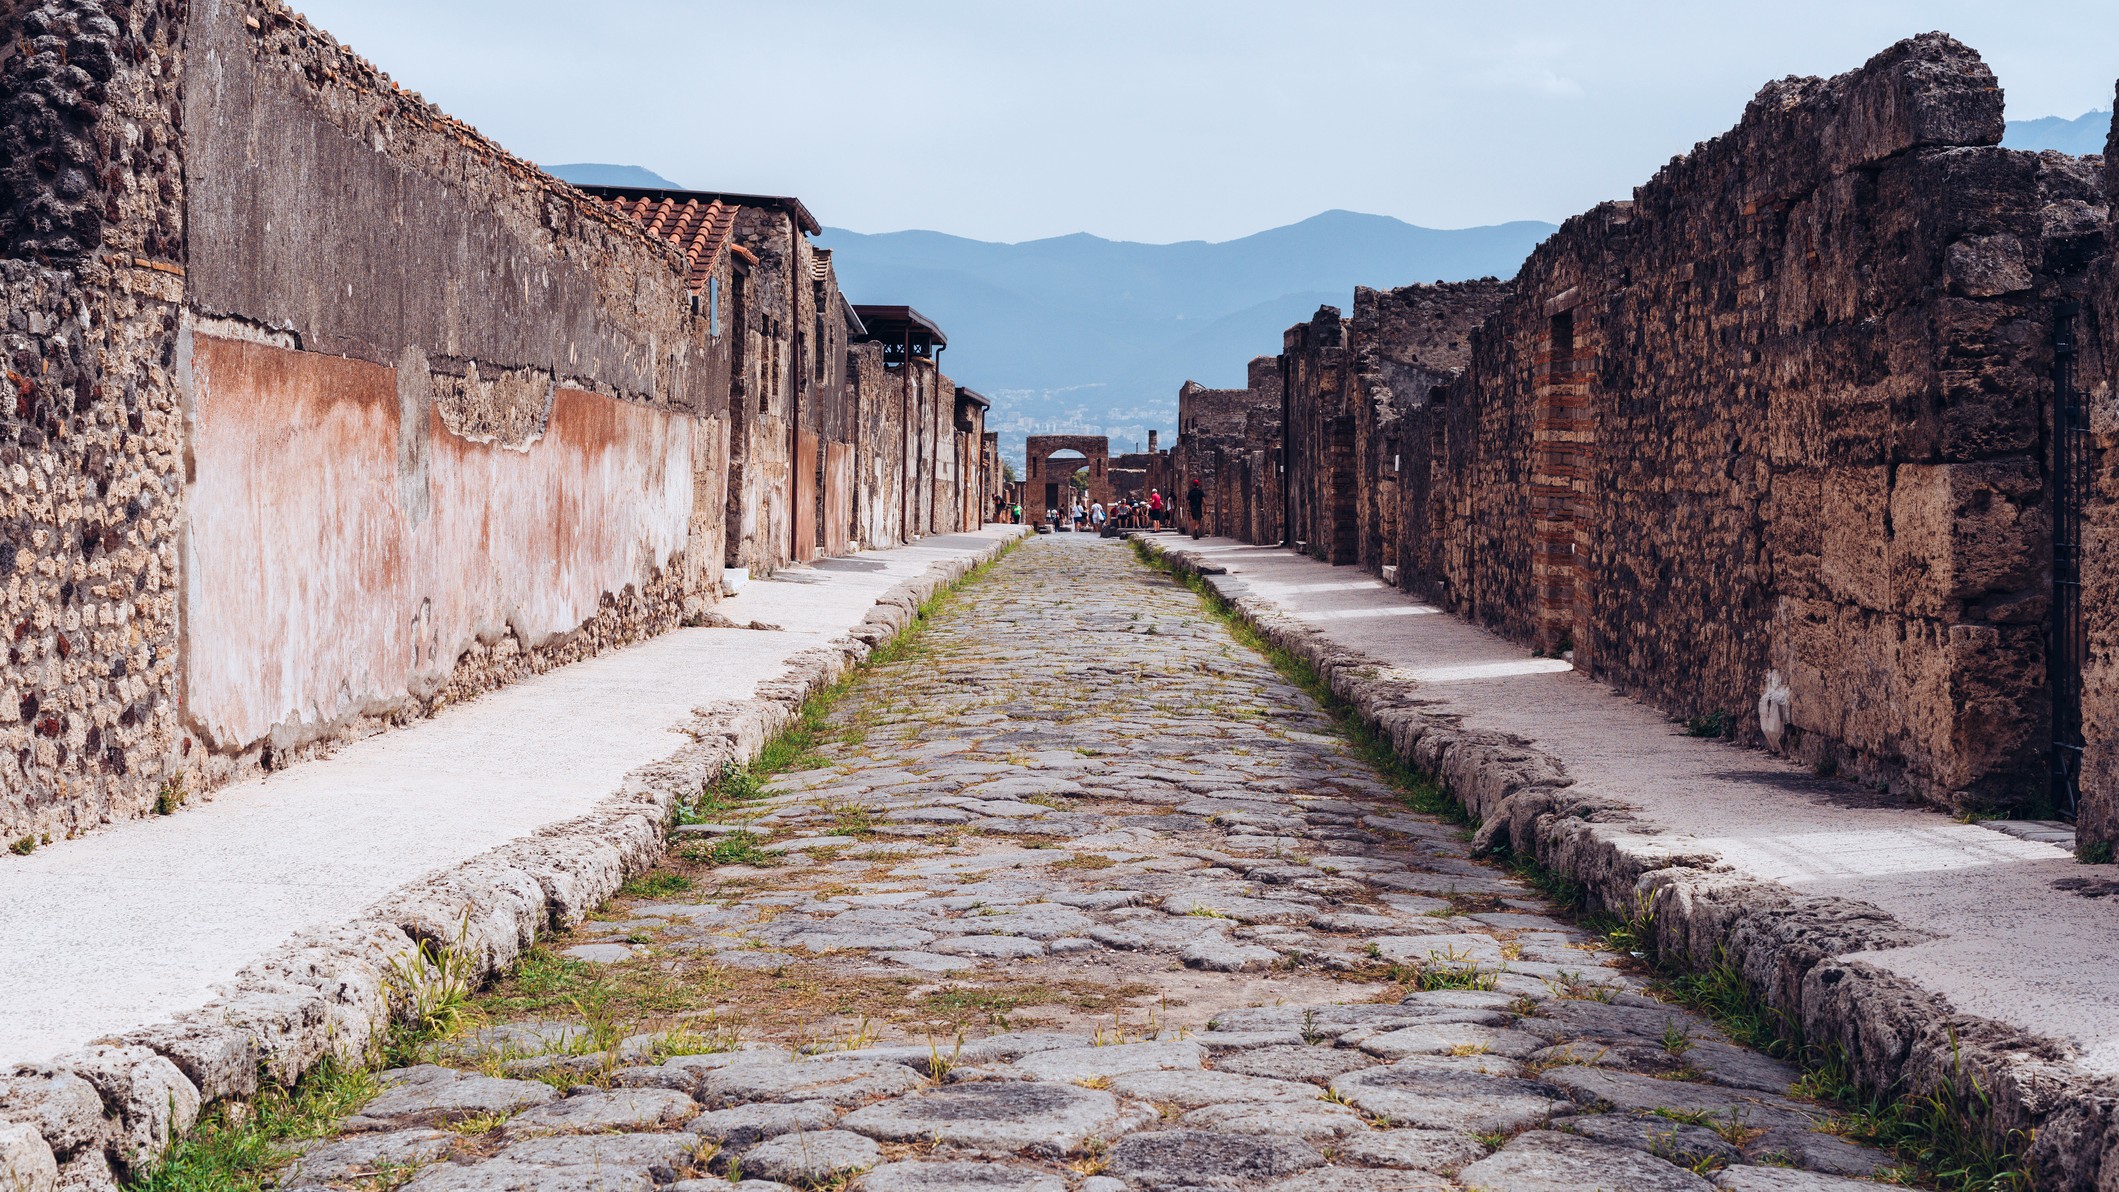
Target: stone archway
(1044,466)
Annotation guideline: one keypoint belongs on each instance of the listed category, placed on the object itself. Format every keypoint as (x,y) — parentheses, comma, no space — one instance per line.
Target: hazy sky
(1167,120)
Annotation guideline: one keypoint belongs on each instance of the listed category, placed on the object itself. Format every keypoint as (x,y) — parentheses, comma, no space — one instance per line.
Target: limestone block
(150,1098)
(26,1161)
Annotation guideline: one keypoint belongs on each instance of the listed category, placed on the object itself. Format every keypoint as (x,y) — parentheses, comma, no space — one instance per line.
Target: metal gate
(2071,484)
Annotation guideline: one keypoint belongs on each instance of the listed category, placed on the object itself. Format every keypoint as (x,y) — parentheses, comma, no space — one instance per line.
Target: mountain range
(1079,334)
(2082,136)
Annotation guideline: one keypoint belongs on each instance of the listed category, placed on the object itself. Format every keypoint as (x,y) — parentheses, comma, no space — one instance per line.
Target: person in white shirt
(1096,516)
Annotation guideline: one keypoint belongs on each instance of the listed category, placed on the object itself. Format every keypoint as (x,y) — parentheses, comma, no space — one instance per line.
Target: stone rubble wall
(1229,440)
(1764,446)
(2096,379)
(1786,946)
(91,425)
(100,1115)
(327,412)
(1406,344)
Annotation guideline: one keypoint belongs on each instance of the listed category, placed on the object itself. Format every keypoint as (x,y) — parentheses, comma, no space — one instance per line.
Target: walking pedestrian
(1196,499)
(1096,516)
(1156,511)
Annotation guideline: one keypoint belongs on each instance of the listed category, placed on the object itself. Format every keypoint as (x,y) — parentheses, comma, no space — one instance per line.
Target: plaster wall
(344,548)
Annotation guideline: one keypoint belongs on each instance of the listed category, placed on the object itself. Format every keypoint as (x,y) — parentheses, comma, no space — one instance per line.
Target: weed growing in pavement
(736,848)
(1712,724)
(655,885)
(23,847)
(171,796)
(427,988)
(1416,789)
(2099,853)
(239,1147)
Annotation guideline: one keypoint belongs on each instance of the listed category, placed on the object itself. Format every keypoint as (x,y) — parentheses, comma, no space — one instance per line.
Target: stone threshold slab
(164,964)
(1932,952)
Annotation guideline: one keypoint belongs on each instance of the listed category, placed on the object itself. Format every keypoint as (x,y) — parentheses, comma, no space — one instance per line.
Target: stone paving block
(1172,1159)
(930,962)
(1451,1038)
(830,1080)
(629,1151)
(1422,1150)
(356,1156)
(1191,1089)
(745,1125)
(1162,819)
(811,1156)
(1662,1137)
(1315,1120)
(989,947)
(1631,1093)
(434,1096)
(1091,1063)
(1473,1098)
(1306,1062)
(1217,1042)
(913,1176)
(1354,1179)
(1220,954)
(501,1175)
(1547,1161)
(1742,1178)
(994,1117)
(619,1109)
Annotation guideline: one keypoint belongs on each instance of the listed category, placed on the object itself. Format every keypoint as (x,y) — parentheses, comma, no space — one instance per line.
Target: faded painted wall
(338,529)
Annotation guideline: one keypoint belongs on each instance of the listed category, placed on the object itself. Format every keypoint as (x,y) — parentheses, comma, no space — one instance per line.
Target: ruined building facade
(1769,446)
(326,412)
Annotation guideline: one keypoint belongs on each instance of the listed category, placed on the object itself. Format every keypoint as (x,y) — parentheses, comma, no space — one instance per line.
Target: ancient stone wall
(1781,426)
(2093,376)
(91,425)
(1403,344)
(1320,438)
(1764,445)
(768,312)
(880,446)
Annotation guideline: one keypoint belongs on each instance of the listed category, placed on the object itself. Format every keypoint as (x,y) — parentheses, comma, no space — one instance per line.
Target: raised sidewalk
(236,913)
(1925,948)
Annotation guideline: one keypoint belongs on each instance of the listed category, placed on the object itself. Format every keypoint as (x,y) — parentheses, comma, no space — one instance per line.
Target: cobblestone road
(1079,894)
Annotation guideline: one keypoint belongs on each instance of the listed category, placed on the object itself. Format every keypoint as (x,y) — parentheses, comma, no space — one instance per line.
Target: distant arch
(1050,460)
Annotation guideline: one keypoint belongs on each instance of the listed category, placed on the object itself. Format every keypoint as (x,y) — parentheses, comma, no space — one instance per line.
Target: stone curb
(89,1118)
(1786,945)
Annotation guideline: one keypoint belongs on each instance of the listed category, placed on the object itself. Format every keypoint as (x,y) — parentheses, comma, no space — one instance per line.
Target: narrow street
(1073,892)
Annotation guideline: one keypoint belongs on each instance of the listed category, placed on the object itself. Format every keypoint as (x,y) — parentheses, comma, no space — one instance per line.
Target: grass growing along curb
(240,1146)
(795,746)
(1416,788)
(1938,1136)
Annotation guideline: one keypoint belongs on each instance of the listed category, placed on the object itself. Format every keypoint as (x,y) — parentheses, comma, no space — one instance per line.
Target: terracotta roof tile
(701,231)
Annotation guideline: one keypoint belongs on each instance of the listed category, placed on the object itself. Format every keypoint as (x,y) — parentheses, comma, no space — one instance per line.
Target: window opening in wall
(713,305)
(2071,483)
